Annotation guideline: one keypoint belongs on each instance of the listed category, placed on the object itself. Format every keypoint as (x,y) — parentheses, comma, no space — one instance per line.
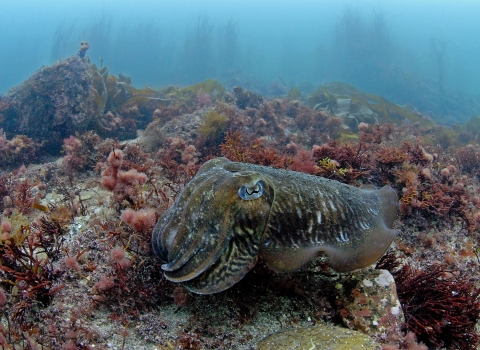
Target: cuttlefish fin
(342,258)
(364,255)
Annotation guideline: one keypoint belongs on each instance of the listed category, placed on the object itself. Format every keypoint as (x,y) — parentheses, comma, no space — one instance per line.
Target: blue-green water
(391,48)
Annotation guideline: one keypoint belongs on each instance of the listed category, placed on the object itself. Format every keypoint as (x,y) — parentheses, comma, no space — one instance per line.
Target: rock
(52,104)
(367,301)
(318,337)
(343,105)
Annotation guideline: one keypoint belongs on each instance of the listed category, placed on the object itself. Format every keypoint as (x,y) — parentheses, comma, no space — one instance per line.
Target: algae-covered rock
(318,337)
(246,99)
(362,107)
(72,96)
(368,302)
(52,104)
(206,93)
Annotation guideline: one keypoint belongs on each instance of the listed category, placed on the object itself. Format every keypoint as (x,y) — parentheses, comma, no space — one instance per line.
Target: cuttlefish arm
(231,214)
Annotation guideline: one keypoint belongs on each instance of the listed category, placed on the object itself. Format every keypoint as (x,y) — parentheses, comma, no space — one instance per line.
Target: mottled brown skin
(230,214)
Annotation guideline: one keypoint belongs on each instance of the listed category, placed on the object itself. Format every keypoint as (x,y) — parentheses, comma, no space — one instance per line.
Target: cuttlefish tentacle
(231,214)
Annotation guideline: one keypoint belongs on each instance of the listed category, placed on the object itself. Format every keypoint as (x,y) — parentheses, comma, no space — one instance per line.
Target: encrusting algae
(322,336)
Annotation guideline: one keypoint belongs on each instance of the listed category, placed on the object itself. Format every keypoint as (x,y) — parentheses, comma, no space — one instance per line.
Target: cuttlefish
(232,214)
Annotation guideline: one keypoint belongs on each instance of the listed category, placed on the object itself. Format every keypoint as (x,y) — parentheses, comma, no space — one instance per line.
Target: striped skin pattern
(231,214)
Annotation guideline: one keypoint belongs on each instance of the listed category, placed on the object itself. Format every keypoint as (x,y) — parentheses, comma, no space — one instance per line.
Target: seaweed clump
(213,127)
(441,306)
(469,159)
(17,150)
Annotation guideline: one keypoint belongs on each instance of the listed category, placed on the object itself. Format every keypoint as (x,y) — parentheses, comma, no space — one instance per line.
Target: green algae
(209,86)
(294,93)
(446,137)
(348,137)
(473,127)
(318,337)
(100,90)
(188,95)
(125,79)
(213,125)
(110,83)
(117,94)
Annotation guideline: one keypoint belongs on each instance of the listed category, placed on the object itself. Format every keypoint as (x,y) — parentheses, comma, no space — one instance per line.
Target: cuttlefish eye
(249,192)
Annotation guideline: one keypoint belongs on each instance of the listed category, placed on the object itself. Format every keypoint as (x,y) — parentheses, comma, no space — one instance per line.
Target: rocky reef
(90,162)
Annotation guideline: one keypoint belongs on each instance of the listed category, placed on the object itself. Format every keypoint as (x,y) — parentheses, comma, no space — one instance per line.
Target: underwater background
(118,115)
(399,49)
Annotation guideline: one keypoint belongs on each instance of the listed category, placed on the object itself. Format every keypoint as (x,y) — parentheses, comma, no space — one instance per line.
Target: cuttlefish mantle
(231,214)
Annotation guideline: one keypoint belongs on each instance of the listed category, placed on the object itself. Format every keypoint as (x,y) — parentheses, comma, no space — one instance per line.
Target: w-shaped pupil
(251,192)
